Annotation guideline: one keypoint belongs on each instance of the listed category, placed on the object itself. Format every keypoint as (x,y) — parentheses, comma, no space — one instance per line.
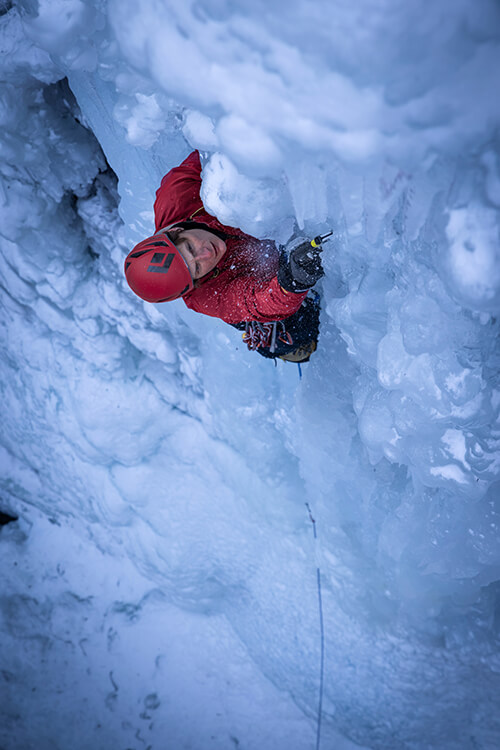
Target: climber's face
(201,250)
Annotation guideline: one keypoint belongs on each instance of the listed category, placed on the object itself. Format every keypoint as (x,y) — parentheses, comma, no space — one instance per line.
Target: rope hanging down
(322,633)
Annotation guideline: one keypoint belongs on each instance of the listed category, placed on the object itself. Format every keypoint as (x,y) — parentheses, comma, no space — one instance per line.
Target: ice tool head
(156,271)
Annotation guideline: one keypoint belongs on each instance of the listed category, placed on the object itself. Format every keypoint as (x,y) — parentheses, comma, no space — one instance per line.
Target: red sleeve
(178,196)
(245,298)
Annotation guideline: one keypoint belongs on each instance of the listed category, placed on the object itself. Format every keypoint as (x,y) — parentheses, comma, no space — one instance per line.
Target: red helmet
(156,271)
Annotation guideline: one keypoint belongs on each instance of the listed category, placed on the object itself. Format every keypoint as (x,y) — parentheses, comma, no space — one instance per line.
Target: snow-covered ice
(160,583)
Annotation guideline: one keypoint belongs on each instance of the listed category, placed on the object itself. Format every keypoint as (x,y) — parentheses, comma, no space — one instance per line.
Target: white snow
(160,585)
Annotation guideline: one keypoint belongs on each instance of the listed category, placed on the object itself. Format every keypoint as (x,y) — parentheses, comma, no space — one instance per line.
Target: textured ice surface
(150,434)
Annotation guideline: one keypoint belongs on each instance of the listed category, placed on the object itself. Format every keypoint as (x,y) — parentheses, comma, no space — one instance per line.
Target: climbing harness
(322,632)
(293,339)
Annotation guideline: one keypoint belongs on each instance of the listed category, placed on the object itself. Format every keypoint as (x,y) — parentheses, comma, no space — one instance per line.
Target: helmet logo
(164,258)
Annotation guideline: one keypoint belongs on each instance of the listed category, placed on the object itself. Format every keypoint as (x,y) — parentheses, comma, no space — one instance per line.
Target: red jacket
(244,285)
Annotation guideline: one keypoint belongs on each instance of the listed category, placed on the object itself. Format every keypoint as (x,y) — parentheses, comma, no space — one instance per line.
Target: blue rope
(322,632)
(322,667)
(300,369)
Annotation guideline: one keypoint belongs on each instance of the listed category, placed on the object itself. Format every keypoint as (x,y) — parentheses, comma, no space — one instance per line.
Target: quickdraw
(265,335)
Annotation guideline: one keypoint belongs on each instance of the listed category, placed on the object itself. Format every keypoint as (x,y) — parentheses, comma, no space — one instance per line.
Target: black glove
(300,265)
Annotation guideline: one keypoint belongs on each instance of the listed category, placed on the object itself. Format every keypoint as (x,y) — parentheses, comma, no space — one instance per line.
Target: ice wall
(160,436)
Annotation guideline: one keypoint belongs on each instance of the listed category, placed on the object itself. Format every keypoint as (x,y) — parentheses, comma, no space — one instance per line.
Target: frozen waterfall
(160,582)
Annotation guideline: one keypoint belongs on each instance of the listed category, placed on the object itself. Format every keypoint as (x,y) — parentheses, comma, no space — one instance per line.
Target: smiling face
(201,250)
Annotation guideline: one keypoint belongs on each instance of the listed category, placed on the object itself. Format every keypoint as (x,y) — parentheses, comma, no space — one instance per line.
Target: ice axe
(317,241)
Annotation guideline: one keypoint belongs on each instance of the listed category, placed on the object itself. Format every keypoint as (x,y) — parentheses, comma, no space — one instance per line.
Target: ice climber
(223,272)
